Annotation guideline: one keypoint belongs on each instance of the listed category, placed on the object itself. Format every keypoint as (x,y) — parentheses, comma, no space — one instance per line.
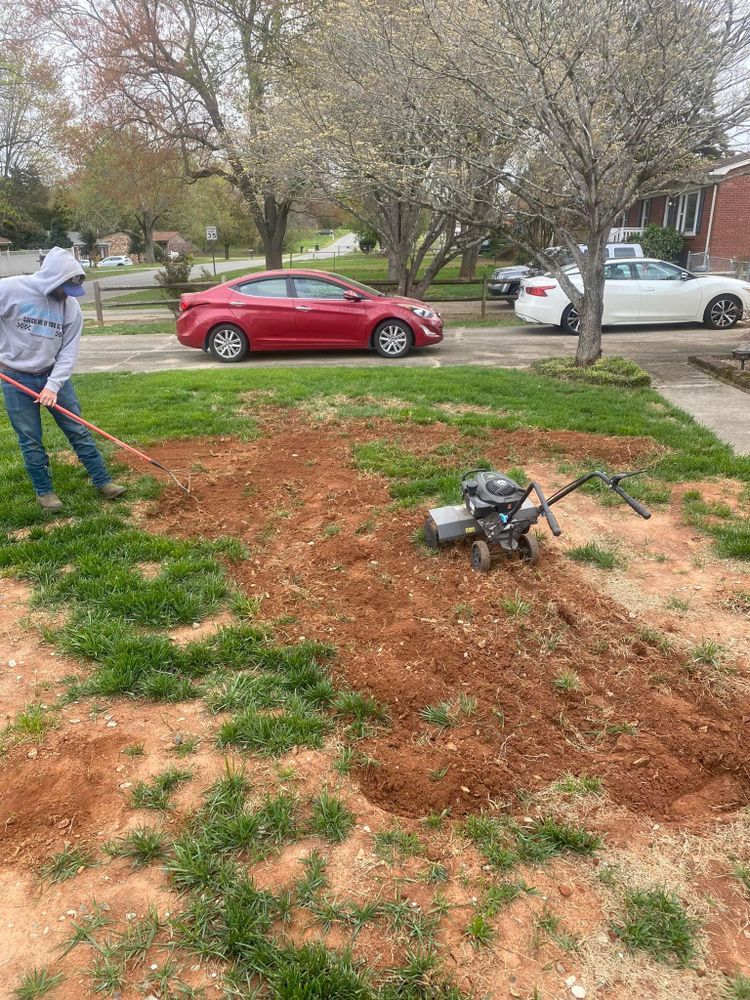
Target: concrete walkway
(662,351)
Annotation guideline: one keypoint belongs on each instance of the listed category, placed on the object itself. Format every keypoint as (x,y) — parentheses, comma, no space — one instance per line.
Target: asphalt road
(661,351)
(127,276)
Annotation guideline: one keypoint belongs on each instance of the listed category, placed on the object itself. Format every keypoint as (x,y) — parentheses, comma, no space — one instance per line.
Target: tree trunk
(226,251)
(591,306)
(469,264)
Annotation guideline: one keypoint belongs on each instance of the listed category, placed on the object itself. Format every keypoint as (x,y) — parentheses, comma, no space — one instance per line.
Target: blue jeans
(26,419)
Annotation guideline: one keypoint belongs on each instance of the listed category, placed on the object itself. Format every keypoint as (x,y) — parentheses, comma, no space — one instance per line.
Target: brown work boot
(111,491)
(50,502)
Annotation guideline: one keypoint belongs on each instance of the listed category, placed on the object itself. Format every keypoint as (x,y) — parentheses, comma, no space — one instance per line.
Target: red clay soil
(415,629)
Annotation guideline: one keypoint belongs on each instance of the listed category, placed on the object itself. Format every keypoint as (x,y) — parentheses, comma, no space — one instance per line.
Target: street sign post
(211,237)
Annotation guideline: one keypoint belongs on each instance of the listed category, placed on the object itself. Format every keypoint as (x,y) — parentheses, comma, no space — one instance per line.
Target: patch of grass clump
(596,555)
(31,723)
(271,735)
(655,921)
(330,817)
(66,863)
(742,874)
(142,845)
(157,793)
(314,880)
(37,983)
(550,924)
(567,680)
(737,988)
(516,606)
(479,931)
(546,837)
(497,897)
(706,653)
(505,843)
(572,784)
(730,531)
(606,371)
(134,750)
(392,844)
(449,713)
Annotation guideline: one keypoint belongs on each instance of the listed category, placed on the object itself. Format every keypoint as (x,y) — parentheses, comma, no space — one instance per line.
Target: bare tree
(362,93)
(202,75)
(32,105)
(598,102)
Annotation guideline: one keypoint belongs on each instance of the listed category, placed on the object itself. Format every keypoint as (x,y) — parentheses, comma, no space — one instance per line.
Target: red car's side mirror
(351,296)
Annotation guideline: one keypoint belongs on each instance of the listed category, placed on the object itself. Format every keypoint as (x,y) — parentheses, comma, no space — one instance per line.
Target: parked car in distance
(298,310)
(506,281)
(84,261)
(116,261)
(639,291)
(325,232)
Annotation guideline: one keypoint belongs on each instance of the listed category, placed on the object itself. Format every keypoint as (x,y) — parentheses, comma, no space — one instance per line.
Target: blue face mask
(74,288)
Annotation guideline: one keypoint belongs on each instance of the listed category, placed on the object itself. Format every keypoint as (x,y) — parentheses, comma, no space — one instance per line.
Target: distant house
(171,240)
(714,218)
(114,244)
(5,243)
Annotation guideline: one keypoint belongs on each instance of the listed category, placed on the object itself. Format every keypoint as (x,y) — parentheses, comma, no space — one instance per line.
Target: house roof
(5,242)
(164,236)
(734,162)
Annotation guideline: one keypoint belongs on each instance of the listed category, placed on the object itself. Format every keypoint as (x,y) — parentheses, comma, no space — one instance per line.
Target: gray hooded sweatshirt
(37,333)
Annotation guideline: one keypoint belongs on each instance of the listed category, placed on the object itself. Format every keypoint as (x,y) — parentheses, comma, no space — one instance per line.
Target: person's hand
(47,397)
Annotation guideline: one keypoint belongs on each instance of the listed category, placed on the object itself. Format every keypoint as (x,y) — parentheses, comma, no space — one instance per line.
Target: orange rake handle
(92,427)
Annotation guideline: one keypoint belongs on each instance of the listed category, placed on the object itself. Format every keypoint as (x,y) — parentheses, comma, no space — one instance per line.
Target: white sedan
(640,291)
(118,261)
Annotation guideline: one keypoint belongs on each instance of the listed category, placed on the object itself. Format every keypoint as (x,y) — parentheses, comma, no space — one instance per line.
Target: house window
(644,213)
(687,213)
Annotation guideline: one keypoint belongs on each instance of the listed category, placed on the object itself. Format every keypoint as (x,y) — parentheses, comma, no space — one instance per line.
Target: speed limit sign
(211,233)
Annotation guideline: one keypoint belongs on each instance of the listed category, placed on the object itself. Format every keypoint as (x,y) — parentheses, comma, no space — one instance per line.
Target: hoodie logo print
(38,321)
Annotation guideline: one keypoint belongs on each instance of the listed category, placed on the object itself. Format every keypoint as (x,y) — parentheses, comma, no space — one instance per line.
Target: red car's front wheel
(392,339)
(228,343)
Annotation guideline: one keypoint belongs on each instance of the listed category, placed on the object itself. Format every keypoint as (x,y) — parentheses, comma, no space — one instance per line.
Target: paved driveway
(661,351)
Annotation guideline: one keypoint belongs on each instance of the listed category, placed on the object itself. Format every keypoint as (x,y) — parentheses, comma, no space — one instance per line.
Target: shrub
(177,272)
(662,242)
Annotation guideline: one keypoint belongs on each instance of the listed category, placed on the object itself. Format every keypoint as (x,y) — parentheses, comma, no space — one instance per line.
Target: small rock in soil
(565,890)
(32,754)
(579,992)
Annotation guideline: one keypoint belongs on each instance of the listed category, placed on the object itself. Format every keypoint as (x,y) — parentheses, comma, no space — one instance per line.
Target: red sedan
(303,310)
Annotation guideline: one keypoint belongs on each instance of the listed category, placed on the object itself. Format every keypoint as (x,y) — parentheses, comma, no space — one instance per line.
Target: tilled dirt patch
(415,629)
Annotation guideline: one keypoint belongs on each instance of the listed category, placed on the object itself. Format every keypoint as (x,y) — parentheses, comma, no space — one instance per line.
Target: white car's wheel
(571,321)
(723,312)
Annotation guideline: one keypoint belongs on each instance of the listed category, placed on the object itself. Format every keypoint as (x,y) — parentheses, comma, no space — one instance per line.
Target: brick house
(114,245)
(714,218)
(172,241)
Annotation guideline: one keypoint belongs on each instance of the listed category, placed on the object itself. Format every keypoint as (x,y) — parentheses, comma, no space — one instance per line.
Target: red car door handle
(236,303)
(305,309)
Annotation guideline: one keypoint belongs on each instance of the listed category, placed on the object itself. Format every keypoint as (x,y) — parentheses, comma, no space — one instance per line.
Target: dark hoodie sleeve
(66,358)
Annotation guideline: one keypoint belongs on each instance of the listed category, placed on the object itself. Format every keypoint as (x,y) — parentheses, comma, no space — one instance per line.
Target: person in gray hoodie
(40,332)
